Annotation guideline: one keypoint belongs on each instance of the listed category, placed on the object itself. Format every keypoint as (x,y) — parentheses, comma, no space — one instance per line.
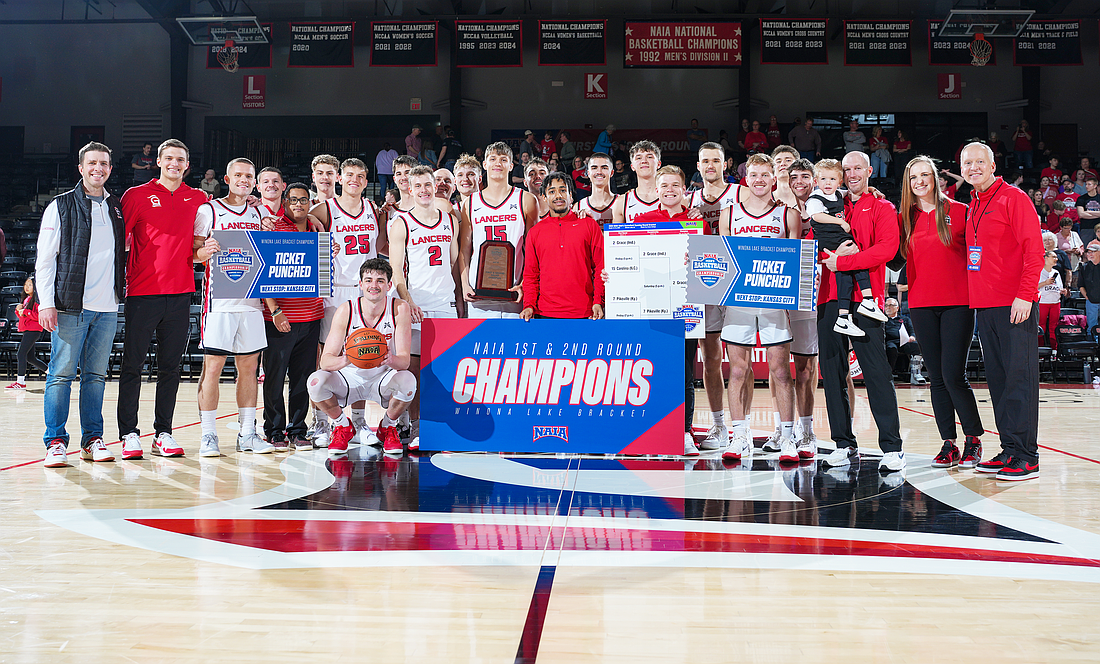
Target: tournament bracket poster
(758,272)
(647,277)
(271,264)
(575,386)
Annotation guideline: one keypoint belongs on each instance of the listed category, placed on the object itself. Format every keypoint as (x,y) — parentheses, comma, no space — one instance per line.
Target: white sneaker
(718,437)
(96,450)
(869,309)
(772,443)
(847,326)
(55,455)
(365,436)
(788,451)
(361,428)
(253,443)
(807,446)
(208,445)
(131,446)
(322,430)
(892,462)
(740,447)
(166,446)
(689,445)
(842,456)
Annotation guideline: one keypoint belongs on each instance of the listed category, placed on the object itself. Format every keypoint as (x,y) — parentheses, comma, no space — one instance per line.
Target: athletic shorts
(804,331)
(359,385)
(341,295)
(742,325)
(233,332)
(450,313)
(713,317)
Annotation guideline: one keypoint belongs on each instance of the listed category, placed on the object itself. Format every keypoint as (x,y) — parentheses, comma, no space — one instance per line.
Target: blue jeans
(82,340)
(1091,312)
(385,183)
(1023,159)
(878,166)
(808,155)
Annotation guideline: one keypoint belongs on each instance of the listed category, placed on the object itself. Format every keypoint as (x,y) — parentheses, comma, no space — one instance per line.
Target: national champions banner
(271,264)
(752,272)
(584,386)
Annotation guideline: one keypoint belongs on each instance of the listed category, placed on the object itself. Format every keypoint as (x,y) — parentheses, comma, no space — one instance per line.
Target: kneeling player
(390,384)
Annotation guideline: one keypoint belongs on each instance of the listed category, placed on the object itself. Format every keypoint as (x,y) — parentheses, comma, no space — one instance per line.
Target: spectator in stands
(581,184)
(1048,188)
(27,314)
(623,180)
(209,183)
(568,150)
(903,147)
(428,156)
(1090,234)
(1041,153)
(880,153)
(1021,141)
(900,342)
(730,172)
(554,164)
(547,147)
(528,146)
(1088,281)
(1052,171)
(724,141)
(1070,242)
(1053,221)
(619,151)
(854,139)
(1086,166)
(742,133)
(1088,204)
(479,154)
(450,150)
(806,140)
(413,143)
(950,190)
(144,164)
(603,141)
(998,147)
(383,166)
(80,271)
(756,140)
(1041,208)
(1079,186)
(1050,243)
(517,170)
(695,136)
(774,133)
(1069,198)
(1051,292)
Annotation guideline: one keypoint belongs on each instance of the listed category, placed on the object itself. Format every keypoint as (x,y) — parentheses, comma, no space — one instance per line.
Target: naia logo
(234,263)
(710,269)
(561,433)
(154,200)
(690,314)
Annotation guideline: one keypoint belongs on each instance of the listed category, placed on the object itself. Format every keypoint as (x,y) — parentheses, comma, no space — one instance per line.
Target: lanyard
(982,207)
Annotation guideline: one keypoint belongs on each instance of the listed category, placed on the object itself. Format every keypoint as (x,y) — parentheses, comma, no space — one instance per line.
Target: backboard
(210,30)
(988,22)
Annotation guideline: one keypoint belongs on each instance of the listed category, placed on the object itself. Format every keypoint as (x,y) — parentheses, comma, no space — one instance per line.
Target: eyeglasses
(296,201)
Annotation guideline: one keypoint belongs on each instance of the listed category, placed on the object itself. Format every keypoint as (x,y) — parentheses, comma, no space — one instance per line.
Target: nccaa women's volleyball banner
(605,387)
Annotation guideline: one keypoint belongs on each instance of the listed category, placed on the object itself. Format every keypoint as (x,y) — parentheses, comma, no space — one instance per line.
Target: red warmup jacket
(1003,222)
(160,225)
(874,225)
(937,274)
(562,266)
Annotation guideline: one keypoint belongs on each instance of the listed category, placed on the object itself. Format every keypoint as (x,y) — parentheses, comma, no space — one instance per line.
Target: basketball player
(357,234)
(534,173)
(645,159)
(338,382)
(325,171)
(759,215)
(444,184)
(500,213)
(271,185)
(600,203)
(229,326)
(467,177)
(425,248)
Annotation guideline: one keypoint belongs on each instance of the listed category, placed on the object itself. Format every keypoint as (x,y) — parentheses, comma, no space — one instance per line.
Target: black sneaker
(948,457)
(995,464)
(972,452)
(1016,469)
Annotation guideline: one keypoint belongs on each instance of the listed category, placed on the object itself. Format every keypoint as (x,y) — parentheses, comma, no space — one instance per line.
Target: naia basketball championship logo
(234,263)
(559,432)
(691,314)
(710,269)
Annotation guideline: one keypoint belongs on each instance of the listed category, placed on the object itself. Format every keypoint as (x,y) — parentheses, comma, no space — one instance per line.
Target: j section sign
(752,272)
(271,264)
(553,386)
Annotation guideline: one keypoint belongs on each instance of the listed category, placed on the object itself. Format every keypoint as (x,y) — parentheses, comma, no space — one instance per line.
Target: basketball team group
(425,253)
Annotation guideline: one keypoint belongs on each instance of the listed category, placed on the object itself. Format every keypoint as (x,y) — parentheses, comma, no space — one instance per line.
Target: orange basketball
(365,348)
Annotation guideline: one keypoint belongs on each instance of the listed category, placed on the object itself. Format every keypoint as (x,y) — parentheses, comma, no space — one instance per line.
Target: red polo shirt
(562,266)
(937,274)
(874,225)
(1002,221)
(160,227)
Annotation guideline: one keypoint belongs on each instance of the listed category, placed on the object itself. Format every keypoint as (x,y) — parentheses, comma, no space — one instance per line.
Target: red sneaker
(341,436)
(391,442)
(948,457)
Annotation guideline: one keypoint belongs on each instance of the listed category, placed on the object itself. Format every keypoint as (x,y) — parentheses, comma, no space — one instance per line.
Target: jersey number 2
(357,244)
(435,255)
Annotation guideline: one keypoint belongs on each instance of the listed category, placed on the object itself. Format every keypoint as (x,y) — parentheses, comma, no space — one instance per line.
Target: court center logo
(234,263)
(711,268)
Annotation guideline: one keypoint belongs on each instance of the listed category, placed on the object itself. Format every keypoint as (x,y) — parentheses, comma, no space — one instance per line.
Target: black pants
(168,316)
(945,334)
(1012,371)
(871,352)
(844,286)
(25,354)
(893,351)
(690,348)
(293,353)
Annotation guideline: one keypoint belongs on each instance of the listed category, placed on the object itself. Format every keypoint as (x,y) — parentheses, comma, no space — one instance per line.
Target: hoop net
(227,56)
(980,50)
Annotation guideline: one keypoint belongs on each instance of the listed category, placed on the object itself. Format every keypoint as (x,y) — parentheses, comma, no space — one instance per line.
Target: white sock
(748,423)
(807,424)
(786,429)
(319,416)
(775,418)
(21,379)
(719,417)
(208,420)
(358,415)
(343,420)
(387,422)
(248,421)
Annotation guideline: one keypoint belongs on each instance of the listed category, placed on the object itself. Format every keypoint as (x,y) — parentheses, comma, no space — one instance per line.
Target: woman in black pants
(32,332)
(933,242)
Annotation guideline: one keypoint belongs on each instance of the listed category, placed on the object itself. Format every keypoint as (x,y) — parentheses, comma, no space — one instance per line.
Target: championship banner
(249,56)
(646,274)
(488,44)
(271,264)
(400,44)
(322,45)
(1046,43)
(949,50)
(793,42)
(878,43)
(572,43)
(681,45)
(577,386)
(752,272)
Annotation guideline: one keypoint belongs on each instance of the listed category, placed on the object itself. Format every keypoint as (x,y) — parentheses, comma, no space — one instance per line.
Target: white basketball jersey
(712,210)
(217,216)
(503,222)
(386,326)
(772,223)
(635,206)
(601,215)
(357,237)
(428,261)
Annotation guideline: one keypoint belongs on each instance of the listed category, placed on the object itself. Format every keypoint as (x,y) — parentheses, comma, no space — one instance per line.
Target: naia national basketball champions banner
(271,264)
(766,273)
(600,387)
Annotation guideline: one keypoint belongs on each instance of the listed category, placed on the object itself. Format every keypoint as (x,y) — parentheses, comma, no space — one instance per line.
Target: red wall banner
(682,45)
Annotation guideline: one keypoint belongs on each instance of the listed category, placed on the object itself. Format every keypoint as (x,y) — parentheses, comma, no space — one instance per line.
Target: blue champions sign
(271,264)
(752,272)
(583,386)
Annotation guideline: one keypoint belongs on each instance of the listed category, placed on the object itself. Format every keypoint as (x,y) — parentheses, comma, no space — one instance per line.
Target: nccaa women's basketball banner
(611,387)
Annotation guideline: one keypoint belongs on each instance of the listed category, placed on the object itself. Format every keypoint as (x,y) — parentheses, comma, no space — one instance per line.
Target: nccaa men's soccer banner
(682,45)
(552,386)
(322,45)
(271,264)
(752,272)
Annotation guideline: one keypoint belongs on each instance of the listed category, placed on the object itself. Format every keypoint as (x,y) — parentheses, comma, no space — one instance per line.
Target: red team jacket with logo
(874,225)
(1003,222)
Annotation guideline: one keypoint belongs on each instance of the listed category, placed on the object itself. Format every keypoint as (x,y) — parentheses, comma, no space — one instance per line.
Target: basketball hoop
(227,56)
(980,50)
